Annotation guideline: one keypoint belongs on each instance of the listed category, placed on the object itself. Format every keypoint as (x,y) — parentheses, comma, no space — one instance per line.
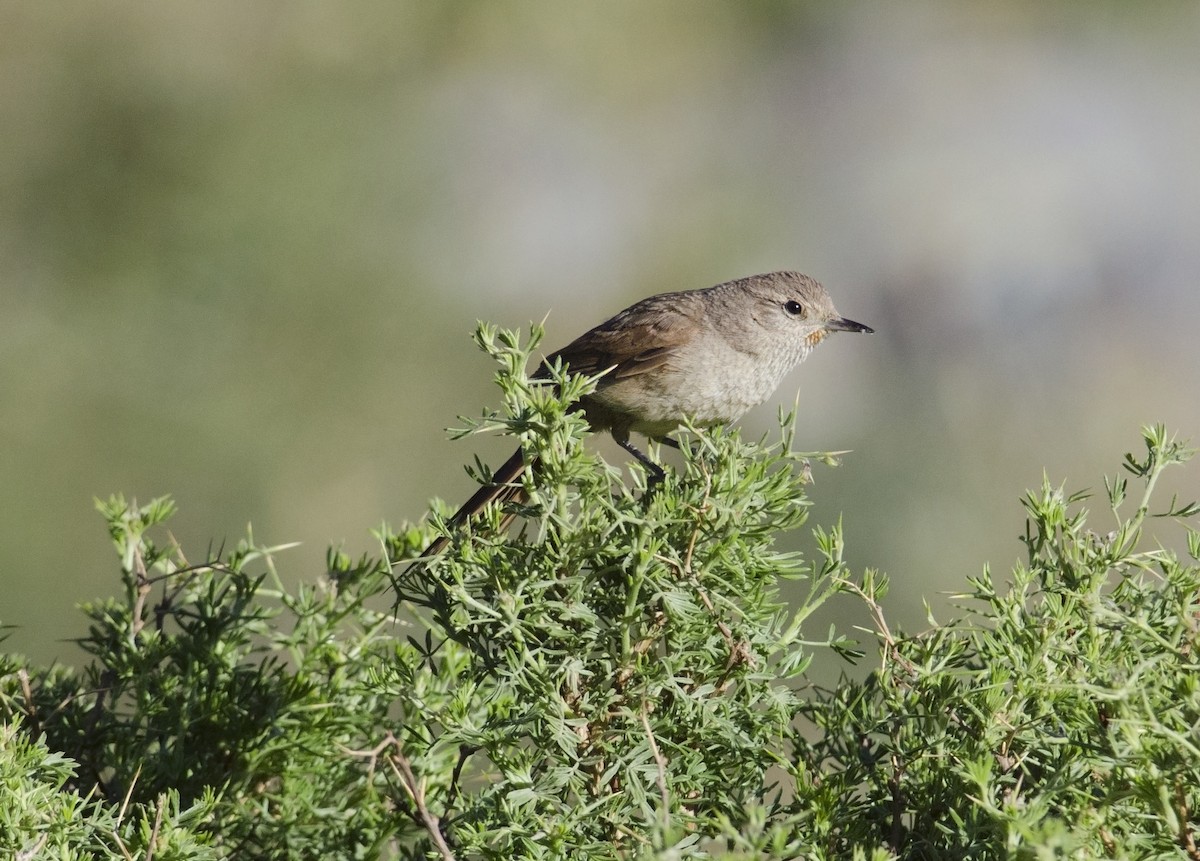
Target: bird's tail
(505,486)
(412,585)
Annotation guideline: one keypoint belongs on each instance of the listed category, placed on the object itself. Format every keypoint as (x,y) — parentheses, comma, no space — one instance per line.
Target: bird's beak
(841,324)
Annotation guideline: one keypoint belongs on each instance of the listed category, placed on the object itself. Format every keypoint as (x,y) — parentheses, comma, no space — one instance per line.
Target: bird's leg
(656,471)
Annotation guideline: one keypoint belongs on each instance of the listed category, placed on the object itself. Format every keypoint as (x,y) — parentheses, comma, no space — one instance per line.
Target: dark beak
(841,324)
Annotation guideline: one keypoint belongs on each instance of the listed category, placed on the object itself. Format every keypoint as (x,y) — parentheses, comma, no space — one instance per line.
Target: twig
(1186,841)
(881,625)
(894,784)
(154,833)
(721,626)
(107,679)
(464,753)
(416,791)
(372,755)
(116,832)
(661,762)
(128,795)
(144,586)
(33,851)
(35,726)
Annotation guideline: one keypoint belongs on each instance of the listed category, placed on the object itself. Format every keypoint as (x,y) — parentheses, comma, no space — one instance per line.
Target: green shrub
(1059,718)
(615,677)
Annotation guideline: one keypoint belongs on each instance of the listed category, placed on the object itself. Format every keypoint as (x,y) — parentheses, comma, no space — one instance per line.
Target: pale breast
(711,386)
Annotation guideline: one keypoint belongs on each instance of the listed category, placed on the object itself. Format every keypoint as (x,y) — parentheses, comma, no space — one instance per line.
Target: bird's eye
(793,307)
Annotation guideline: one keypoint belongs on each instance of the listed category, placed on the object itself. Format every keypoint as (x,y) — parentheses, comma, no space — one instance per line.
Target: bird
(706,356)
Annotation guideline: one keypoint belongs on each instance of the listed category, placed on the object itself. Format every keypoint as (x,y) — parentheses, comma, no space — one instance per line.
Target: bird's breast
(711,386)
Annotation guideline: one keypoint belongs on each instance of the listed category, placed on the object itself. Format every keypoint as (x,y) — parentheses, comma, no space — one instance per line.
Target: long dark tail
(505,486)
(411,585)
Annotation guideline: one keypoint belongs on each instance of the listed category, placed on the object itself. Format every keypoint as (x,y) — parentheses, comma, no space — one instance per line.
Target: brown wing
(639,339)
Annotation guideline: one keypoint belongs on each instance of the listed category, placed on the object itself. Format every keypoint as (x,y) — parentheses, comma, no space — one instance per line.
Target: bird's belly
(719,392)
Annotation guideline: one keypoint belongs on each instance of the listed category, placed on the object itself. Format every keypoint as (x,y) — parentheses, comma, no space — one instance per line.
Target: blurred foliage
(618,677)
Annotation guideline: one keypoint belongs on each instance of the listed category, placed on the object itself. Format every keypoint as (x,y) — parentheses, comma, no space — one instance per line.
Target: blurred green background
(243,246)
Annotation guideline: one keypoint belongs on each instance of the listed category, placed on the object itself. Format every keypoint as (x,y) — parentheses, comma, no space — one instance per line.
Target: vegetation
(617,677)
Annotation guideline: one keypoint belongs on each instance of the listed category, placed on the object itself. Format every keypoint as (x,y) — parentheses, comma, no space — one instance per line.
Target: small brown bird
(708,355)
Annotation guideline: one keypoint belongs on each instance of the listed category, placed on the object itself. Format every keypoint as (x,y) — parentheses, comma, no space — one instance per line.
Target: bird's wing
(640,339)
